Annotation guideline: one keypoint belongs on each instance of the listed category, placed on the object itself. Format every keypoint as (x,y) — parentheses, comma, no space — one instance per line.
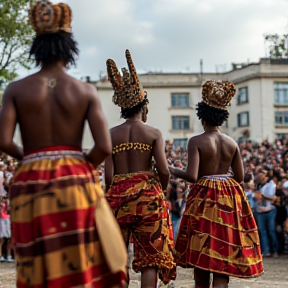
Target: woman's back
(138,141)
(217,149)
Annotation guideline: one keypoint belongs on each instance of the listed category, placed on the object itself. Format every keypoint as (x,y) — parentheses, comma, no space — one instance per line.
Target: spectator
(5,230)
(266,214)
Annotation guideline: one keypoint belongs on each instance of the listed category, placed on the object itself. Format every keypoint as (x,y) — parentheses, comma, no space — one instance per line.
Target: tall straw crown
(127,89)
(218,94)
(47,17)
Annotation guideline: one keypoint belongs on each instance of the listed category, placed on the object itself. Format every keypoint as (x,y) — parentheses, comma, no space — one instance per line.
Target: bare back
(213,153)
(52,116)
(49,117)
(137,160)
(133,160)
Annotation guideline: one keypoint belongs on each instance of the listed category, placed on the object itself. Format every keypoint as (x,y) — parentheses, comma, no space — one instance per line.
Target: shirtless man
(135,191)
(218,233)
(54,190)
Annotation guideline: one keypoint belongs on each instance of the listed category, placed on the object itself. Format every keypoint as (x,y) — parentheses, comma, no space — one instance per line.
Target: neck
(135,118)
(208,128)
(56,67)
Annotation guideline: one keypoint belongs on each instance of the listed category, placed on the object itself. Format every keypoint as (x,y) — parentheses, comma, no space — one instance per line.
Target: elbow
(239,179)
(4,145)
(105,150)
(164,173)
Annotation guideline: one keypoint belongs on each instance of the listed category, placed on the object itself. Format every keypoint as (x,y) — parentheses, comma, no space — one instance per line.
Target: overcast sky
(173,35)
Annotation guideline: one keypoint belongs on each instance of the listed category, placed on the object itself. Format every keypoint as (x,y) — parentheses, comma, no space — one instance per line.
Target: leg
(272,230)
(2,259)
(220,280)
(149,278)
(261,220)
(202,278)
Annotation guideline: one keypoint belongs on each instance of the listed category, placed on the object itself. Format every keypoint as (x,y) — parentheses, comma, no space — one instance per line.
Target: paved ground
(275,276)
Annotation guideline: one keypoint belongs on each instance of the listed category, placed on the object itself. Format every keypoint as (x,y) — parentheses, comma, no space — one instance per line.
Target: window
(180,143)
(180,122)
(242,95)
(281,118)
(180,100)
(243,119)
(281,93)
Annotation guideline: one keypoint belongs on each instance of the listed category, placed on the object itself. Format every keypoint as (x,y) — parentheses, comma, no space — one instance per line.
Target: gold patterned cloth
(138,202)
(218,232)
(53,199)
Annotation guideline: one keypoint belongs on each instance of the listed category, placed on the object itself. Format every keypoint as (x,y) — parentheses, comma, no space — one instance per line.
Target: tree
(278,45)
(15,37)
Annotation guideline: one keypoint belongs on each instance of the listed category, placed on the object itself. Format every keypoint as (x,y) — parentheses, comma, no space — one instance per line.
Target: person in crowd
(280,202)
(54,191)
(177,190)
(135,191)
(249,190)
(214,235)
(5,229)
(266,213)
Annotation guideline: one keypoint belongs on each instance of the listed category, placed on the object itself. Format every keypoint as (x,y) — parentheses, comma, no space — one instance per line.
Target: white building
(258,111)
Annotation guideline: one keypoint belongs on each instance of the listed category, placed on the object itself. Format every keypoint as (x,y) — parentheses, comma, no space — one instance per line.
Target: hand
(171,169)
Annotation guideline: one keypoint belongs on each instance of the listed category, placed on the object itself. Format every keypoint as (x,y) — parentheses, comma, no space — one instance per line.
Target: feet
(275,255)
(9,259)
(266,255)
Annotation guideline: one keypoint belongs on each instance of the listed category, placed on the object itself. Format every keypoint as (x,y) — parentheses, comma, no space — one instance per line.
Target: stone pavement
(275,276)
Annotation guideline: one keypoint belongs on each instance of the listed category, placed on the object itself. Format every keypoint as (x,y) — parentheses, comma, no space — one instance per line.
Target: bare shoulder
(154,131)
(196,140)
(86,89)
(228,140)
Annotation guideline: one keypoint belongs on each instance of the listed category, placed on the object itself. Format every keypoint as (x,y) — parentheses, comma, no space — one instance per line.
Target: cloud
(173,35)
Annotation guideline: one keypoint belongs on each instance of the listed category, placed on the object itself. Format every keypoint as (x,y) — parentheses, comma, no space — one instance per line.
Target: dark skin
(52,116)
(211,153)
(134,130)
(211,147)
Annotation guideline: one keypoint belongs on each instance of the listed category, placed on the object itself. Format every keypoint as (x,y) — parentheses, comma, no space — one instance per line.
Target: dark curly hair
(51,48)
(130,112)
(211,115)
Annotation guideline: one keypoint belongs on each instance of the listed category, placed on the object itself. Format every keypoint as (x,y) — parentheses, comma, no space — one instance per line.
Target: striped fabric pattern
(53,226)
(138,202)
(218,231)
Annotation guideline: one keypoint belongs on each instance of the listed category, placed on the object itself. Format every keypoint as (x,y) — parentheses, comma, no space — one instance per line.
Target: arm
(237,166)
(191,173)
(8,121)
(99,129)
(109,171)
(161,162)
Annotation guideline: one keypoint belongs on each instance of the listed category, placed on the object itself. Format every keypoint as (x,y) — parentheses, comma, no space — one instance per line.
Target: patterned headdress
(218,94)
(47,18)
(127,89)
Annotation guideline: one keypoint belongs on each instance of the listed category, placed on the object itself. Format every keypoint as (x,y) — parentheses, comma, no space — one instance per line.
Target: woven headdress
(47,17)
(218,94)
(127,89)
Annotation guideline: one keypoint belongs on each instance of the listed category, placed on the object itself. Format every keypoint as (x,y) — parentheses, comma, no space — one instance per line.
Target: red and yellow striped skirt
(53,225)
(138,202)
(218,232)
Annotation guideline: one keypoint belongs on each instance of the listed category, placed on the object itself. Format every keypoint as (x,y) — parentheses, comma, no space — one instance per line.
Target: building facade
(259,110)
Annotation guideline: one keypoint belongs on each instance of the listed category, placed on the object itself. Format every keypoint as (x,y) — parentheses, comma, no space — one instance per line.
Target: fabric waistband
(119,177)
(53,152)
(220,177)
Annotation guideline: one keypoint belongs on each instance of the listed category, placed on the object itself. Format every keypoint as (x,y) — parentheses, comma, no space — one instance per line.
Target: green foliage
(278,45)
(15,37)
